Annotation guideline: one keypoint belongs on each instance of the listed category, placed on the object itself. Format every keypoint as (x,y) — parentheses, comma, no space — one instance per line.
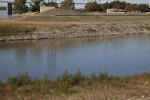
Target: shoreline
(77,86)
(82,30)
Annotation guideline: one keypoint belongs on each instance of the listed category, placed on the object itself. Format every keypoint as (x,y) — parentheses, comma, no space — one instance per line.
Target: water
(3,14)
(119,56)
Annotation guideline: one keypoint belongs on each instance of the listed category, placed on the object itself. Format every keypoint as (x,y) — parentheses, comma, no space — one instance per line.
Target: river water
(119,56)
(3,14)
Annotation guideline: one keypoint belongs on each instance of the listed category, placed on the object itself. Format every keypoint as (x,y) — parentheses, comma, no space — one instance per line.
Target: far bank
(49,25)
(33,32)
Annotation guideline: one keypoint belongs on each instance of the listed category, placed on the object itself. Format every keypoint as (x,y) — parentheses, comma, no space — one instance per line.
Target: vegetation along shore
(77,86)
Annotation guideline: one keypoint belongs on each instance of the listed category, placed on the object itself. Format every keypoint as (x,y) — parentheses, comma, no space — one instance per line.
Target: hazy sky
(130,1)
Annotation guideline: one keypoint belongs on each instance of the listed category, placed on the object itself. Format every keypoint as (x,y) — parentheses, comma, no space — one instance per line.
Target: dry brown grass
(113,88)
(6,30)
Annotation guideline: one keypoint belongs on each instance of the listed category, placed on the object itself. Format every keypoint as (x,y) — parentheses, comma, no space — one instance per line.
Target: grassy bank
(76,86)
(7,30)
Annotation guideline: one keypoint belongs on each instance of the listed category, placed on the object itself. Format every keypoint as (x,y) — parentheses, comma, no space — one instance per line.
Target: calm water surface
(3,14)
(119,56)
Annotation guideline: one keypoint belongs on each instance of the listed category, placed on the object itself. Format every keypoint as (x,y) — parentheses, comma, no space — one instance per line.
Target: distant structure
(9,8)
(43,9)
(116,11)
(9,5)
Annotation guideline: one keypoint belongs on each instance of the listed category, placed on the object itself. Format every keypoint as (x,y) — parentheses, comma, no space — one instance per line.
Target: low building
(116,11)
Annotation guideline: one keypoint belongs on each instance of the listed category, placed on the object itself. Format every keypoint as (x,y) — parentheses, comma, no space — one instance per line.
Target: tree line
(21,7)
(94,6)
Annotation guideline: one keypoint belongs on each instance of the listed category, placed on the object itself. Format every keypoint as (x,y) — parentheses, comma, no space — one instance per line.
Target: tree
(92,6)
(104,6)
(118,4)
(20,7)
(36,5)
(131,7)
(68,4)
(143,8)
(53,4)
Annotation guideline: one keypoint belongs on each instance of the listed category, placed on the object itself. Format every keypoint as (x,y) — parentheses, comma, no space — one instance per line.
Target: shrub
(53,4)
(20,79)
(65,82)
(93,76)
(103,76)
(42,80)
(35,6)
(91,30)
(68,4)
(77,77)
(20,6)
(146,27)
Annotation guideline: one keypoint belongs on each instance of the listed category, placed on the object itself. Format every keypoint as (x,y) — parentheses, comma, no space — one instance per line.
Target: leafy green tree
(103,6)
(118,4)
(68,4)
(53,4)
(92,6)
(143,7)
(131,7)
(20,6)
(36,5)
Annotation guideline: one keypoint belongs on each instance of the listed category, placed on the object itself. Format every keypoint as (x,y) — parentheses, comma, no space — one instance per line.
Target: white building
(79,4)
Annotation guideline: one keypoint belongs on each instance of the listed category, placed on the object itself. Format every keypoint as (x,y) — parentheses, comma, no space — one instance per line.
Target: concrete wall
(42,9)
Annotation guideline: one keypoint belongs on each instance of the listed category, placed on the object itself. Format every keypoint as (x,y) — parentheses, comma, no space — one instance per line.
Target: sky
(130,1)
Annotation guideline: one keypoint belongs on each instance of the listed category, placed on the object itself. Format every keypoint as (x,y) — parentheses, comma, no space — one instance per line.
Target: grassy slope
(49,18)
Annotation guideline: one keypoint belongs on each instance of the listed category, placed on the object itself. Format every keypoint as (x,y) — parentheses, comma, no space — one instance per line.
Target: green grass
(90,30)
(146,27)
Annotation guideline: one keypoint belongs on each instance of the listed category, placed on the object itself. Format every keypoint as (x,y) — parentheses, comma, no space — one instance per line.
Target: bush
(68,4)
(53,4)
(20,6)
(103,76)
(65,82)
(20,79)
(91,7)
(93,76)
(91,30)
(36,5)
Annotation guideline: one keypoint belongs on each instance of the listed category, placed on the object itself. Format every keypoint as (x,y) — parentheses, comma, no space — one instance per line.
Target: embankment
(81,30)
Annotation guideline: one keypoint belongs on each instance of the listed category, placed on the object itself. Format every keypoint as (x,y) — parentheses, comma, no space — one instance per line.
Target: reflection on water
(115,55)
